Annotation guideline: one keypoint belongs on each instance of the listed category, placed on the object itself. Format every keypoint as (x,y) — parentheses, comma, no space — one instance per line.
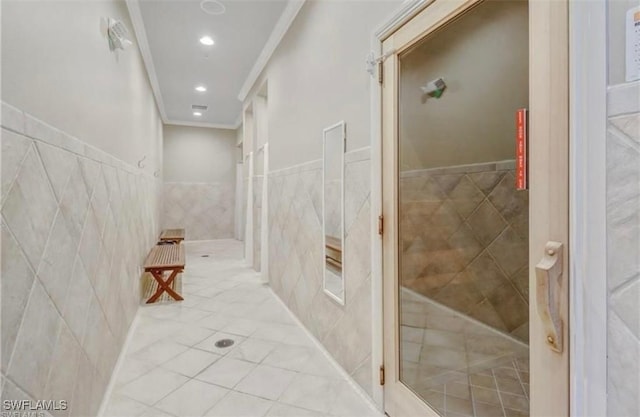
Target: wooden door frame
(557,15)
(587,216)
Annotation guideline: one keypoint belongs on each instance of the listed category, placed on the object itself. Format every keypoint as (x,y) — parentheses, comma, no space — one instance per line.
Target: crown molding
(238,121)
(143,45)
(280,29)
(407,11)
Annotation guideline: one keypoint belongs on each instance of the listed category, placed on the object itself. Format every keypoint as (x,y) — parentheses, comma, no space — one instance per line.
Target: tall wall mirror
(333,210)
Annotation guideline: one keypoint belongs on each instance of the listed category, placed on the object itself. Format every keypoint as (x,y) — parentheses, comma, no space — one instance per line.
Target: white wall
(474,120)
(317,77)
(200,181)
(56,65)
(199,154)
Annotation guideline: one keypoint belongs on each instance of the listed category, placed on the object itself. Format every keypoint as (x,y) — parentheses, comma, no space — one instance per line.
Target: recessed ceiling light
(201,88)
(212,7)
(197,113)
(206,40)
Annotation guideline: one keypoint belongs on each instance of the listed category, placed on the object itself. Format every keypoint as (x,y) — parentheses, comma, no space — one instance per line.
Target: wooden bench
(333,252)
(172,236)
(161,259)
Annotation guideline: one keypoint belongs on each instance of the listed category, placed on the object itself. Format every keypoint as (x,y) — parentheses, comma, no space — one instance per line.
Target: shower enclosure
(461,222)
(463,226)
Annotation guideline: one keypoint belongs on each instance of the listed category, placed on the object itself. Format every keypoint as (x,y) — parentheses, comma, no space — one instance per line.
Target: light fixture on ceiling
(197,113)
(206,40)
(213,7)
(201,88)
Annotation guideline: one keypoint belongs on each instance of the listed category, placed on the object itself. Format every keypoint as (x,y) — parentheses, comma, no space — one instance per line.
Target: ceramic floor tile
(121,406)
(285,410)
(154,412)
(209,343)
(290,357)
(132,369)
(192,399)
(237,404)
(153,386)
(266,382)
(272,357)
(191,362)
(242,327)
(348,402)
(310,392)
(226,372)
(191,335)
(159,352)
(275,332)
(252,350)
(215,321)
(319,365)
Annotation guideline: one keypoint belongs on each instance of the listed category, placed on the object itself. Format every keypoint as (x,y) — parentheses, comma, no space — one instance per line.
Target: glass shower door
(463,333)
(462,225)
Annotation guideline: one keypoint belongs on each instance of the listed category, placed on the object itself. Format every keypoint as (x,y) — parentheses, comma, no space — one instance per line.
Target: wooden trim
(549,186)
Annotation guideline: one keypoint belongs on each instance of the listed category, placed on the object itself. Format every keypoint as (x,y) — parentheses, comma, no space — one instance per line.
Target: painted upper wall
(317,77)
(56,65)
(199,154)
(474,120)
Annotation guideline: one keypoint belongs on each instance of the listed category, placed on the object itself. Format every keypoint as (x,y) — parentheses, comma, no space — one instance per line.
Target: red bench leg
(164,286)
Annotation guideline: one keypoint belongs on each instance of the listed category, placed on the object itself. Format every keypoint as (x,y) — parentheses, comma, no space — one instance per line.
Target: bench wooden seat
(333,251)
(161,259)
(172,235)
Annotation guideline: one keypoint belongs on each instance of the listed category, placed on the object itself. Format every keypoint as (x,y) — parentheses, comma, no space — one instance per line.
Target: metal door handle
(548,284)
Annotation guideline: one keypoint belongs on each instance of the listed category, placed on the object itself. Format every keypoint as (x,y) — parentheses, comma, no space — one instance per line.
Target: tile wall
(296,259)
(464,237)
(258,182)
(204,210)
(623,251)
(76,226)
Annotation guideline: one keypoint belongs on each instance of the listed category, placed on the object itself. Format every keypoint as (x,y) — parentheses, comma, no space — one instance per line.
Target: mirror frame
(341,124)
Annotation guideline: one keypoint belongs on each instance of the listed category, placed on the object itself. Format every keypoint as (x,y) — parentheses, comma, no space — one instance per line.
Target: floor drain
(224,343)
(204,256)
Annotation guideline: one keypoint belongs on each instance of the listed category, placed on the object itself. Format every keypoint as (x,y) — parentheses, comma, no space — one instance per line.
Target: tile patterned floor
(173,368)
(460,366)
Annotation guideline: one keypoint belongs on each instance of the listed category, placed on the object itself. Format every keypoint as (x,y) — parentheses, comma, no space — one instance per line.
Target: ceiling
(179,62)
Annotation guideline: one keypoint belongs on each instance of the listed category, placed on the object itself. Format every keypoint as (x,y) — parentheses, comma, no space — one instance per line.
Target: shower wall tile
(14,149)
(296,259)
(258,181)
(204,210)
(464,237)
(65,205)
(623,262)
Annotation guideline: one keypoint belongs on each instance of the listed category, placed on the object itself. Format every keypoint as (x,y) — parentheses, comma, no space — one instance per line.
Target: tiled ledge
(356,155)
(27,125)
(623,99)
(506,165)
(296,169)
(200,183)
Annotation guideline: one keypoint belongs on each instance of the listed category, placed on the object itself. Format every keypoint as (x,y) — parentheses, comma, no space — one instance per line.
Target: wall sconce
(434,88)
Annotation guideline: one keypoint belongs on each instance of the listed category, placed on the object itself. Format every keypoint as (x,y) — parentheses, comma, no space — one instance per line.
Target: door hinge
(381,374)
(380,71)
(380,224)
